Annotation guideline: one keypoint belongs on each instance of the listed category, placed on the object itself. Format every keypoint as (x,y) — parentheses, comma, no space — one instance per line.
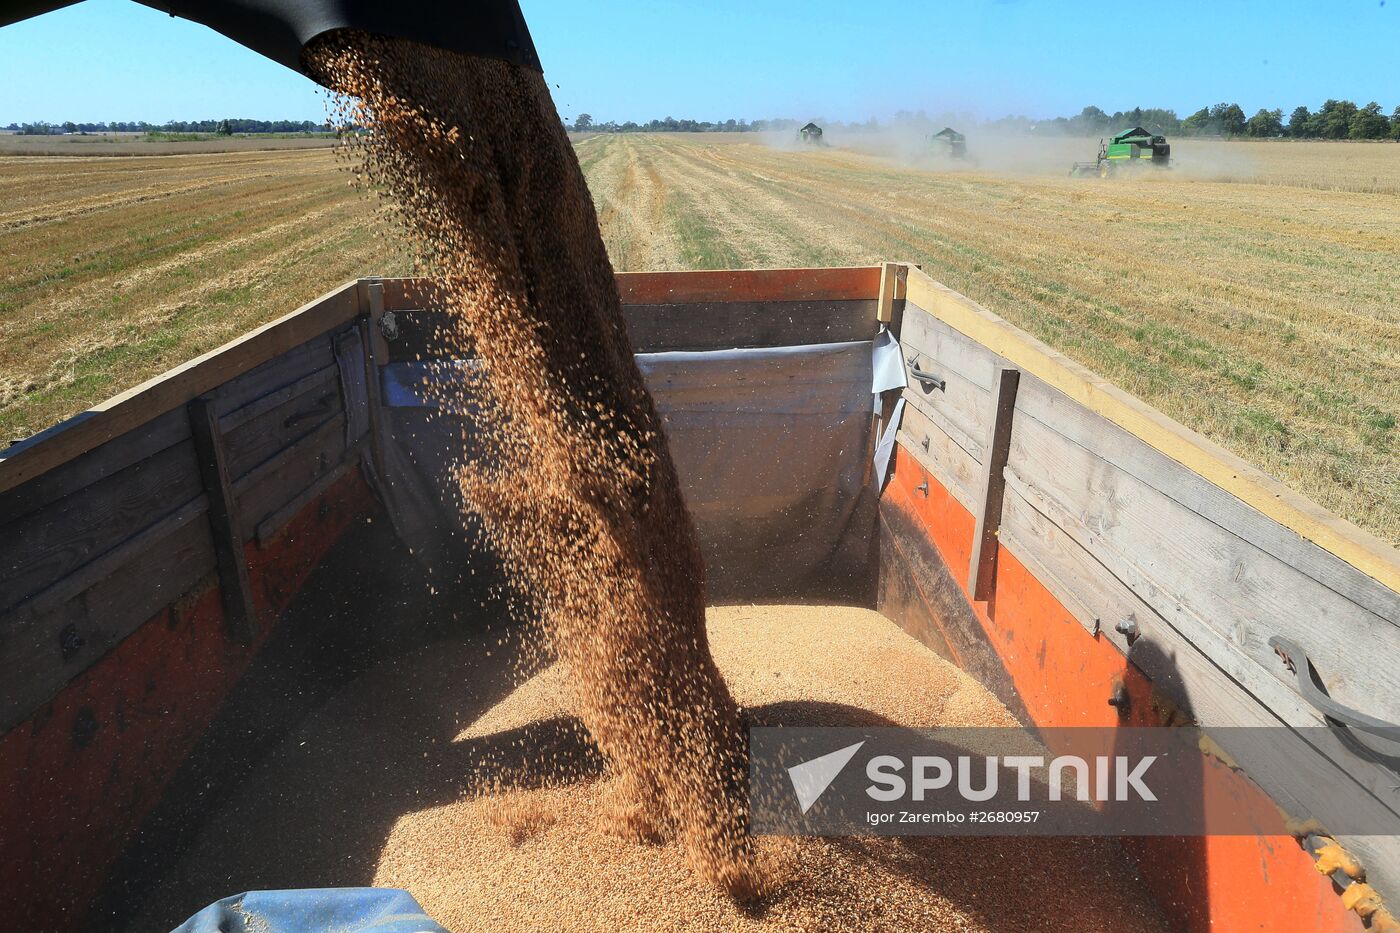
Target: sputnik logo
(811,778)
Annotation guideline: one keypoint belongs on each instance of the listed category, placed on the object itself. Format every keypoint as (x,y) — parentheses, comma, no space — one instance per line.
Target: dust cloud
(1012,148)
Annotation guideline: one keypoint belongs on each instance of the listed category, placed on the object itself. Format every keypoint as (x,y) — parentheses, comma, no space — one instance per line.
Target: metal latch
(927,379)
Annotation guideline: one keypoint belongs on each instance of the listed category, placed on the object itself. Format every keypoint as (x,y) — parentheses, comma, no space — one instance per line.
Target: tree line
(1336,119)
(585,123)
(225,127)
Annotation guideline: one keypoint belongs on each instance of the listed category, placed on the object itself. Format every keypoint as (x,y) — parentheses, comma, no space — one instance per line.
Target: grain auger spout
(281,29)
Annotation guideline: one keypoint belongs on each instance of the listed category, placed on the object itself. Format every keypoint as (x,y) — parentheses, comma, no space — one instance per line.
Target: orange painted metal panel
(1064,677)
(950,526)
(78,777)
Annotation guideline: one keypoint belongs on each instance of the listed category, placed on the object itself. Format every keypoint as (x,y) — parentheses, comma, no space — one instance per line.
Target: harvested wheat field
(1249,292)
(385,771)
(117,269)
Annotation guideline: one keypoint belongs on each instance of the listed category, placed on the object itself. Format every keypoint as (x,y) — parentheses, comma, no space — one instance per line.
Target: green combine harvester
(1130,148)
(949,143)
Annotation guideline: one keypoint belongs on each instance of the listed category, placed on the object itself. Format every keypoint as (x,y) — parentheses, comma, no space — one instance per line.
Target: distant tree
(1199,122)
(70,127)
(1298,122)
(1162,121)
(1091,120)
(1228,118)
(1266,124)
(1369,123)
(584,121)
(1333,121)
(1395,124)
(224,128)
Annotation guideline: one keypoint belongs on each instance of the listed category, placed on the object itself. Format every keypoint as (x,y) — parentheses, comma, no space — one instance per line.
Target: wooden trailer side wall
(1099,523)
(140,576)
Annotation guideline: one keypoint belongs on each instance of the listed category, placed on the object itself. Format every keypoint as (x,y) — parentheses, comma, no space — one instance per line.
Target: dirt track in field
(1250,292)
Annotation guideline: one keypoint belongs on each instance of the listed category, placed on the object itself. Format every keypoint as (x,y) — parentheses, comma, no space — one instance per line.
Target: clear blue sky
(115,60)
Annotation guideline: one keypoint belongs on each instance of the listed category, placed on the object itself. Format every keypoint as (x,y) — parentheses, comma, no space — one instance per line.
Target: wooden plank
(411,293)
(726,325)
(982,571)
(1243,594)
(1133,456)
(373,302)
(951,350)
(1362,550)
(48,544)
(376,406)
(87,574)
(942,456)
(240,613)
(265,403)
(1201,611)
(1037,542)
(106,460)
(282,426)
(847,284)
(654,328)
(267,528)
(168,391)
(960,408)
(277,373)
(275,482)
(889,281)
(832,284)
(321,440)
(97,613)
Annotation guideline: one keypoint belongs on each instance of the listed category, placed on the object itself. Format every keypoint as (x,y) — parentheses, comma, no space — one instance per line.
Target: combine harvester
(948,143)
(1132,148)
(1091,561)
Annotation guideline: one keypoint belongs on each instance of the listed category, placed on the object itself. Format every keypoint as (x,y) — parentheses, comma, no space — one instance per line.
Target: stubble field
(1250,292)
(116,269)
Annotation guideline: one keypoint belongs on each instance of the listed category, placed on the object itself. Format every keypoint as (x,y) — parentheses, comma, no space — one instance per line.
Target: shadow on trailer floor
(368,613)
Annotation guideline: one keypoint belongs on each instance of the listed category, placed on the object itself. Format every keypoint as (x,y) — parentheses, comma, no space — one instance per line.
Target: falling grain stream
(636,812)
